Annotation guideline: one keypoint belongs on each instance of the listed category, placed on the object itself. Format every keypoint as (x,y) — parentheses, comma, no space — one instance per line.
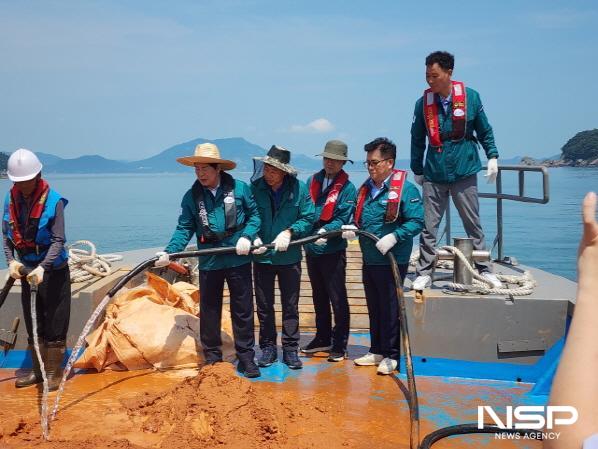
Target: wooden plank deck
(356,294)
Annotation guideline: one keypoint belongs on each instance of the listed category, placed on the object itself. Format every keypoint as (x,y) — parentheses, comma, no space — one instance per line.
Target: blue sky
(128,79)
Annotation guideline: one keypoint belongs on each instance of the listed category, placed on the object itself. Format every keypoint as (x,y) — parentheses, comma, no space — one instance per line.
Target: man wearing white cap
(33,228)
(221,212)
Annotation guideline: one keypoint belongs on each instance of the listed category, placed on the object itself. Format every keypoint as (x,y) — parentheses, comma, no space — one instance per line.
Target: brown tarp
(154,325)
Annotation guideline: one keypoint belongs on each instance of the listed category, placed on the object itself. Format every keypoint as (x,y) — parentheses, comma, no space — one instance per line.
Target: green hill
(584,146)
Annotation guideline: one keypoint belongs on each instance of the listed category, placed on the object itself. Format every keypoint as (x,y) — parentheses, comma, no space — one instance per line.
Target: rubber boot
(35,377)
(53,361)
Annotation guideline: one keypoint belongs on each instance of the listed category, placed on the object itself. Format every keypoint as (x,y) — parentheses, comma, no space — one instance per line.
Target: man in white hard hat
(33,237)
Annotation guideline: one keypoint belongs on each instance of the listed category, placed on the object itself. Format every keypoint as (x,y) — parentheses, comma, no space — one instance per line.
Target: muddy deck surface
(325,405)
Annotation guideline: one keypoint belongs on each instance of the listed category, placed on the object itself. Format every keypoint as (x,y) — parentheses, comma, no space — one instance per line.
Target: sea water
(125,212)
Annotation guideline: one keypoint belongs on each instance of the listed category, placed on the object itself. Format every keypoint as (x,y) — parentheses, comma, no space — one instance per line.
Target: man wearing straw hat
(334,198)
(220,211)
(287,212)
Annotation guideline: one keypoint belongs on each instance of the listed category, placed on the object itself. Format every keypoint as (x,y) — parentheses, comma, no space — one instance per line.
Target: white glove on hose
(419,179)
(243,246)
(321,242)
(492,171)
(282,240)
(36,276)
(386,242)
(261,249)
(349,232)
(163,259)
(13,269)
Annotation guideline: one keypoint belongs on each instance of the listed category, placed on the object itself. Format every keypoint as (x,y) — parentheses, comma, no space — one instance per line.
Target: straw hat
(280,158)
(336,149)
(207,153)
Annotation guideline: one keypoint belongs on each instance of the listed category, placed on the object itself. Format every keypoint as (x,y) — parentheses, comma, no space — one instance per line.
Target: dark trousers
(383,309)
(289,282)
(53,305)
(327,274)
(211,285)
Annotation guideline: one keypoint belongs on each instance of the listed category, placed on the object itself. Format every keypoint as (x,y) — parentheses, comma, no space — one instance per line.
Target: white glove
(13,269)
(419,179)
(492,170)
(163,259)
(243,245)
(261,249)
(282,240)
(36,276)
(386,242)
(321,242)
(349,232)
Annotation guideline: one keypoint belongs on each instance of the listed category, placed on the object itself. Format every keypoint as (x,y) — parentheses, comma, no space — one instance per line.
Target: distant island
(580,151)
(235,148)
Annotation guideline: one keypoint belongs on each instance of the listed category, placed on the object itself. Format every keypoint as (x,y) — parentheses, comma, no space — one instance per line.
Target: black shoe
(316,345)
(268,356)
(212,361)
(249,369)
(291,359)
(337,355)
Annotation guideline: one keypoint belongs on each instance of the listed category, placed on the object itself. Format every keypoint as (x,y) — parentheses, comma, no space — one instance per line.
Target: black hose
(412,399)
(464,429)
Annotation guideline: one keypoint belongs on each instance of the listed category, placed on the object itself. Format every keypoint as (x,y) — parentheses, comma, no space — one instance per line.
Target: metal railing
(499,196)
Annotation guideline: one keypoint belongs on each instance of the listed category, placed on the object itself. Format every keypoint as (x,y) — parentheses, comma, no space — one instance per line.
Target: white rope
(483,286)
(87,264)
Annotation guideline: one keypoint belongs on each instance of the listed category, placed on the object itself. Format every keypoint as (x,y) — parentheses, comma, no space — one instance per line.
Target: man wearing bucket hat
(389,207)
(33,228)
(334,198)
(220,211)
(287,212)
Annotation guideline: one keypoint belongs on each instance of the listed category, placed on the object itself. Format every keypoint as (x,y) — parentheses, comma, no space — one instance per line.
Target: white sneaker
(493,279)
(387,366)
(421,282)
(368,360)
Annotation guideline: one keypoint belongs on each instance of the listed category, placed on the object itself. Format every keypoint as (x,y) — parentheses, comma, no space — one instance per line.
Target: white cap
(23,165)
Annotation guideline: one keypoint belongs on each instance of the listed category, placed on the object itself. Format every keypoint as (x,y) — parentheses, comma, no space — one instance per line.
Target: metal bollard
(461,275)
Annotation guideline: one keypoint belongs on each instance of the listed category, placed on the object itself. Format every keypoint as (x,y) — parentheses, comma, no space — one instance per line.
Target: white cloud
(318,126)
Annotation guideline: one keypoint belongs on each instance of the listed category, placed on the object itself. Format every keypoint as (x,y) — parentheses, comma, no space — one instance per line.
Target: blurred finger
(589,215)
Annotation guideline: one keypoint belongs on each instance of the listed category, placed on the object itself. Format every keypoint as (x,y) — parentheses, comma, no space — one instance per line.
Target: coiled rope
(87,264)
(483,286)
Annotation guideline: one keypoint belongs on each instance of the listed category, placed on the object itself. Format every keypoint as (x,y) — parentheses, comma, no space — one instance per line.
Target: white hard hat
(23,165)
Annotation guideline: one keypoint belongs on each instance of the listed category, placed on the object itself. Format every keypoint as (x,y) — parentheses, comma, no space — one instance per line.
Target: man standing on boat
(334,198)
(33,228)
(389,207)
(287,212)
(221,211)
(452,117)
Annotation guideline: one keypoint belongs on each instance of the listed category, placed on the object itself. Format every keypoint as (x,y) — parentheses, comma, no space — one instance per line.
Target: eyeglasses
(374,162)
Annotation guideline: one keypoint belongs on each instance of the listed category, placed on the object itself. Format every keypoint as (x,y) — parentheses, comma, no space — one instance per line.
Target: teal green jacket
(459,159)
(189,224)
(343,211)
(296,212)
(408,225)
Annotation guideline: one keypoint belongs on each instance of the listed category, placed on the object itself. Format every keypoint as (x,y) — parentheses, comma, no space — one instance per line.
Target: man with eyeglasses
(389,207)
(452,117)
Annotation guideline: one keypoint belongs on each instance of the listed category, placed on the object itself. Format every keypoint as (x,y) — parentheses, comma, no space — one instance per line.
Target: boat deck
(331,405)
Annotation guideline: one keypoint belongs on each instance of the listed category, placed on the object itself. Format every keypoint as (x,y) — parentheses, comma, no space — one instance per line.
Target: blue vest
(43,237)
